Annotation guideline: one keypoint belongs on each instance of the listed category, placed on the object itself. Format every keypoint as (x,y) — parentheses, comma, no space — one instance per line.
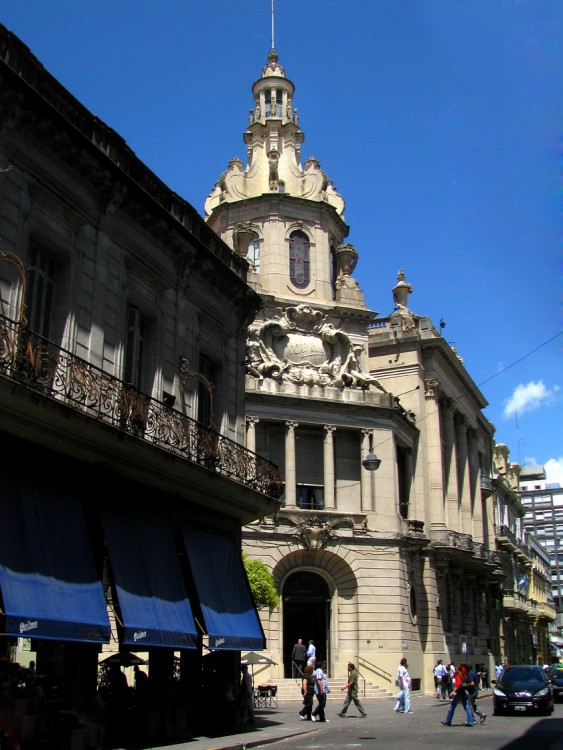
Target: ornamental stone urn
(346,258)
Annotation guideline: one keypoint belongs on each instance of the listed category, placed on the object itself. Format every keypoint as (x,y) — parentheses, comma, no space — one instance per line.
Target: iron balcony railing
(48,369)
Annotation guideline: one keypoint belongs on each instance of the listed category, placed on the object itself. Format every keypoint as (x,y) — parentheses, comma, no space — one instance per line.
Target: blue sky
(439,121)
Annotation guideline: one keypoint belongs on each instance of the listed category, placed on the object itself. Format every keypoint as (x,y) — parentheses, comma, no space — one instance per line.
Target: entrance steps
(289,689)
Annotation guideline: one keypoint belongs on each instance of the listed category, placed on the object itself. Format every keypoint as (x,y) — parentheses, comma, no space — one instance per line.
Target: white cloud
(529,397)
(554,470)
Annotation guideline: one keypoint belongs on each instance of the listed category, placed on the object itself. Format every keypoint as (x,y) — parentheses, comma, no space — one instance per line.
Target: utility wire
(496,374)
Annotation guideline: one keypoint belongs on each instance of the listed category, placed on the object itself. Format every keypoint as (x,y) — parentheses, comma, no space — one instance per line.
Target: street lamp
(371,462)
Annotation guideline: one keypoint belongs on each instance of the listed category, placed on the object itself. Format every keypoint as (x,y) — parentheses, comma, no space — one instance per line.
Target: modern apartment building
(543,504)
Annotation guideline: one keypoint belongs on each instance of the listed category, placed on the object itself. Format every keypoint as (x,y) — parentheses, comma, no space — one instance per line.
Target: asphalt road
(422,729)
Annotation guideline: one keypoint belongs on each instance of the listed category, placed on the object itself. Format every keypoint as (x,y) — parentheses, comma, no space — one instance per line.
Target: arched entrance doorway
(306,615)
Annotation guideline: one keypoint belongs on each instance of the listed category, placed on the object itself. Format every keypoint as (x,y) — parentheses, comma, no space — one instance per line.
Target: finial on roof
(401,291)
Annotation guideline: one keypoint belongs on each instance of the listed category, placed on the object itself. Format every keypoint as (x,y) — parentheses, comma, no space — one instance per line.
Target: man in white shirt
(441,680)
(311,654)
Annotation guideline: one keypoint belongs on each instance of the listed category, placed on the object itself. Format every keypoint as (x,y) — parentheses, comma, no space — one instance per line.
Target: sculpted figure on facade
(301,345)
(316,533)
(273,158)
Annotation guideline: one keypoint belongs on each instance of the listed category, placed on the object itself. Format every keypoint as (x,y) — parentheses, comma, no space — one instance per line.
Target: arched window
(253,255)
(299,263)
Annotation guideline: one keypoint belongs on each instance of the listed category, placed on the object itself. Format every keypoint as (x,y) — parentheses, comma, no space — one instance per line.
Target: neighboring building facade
(543,505)
(120,351)
(527,610)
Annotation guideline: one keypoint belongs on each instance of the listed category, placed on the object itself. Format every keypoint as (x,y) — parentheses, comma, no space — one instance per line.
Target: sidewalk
(270,725)
(275,724)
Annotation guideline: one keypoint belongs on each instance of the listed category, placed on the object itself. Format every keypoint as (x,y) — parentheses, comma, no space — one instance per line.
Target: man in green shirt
(352,694)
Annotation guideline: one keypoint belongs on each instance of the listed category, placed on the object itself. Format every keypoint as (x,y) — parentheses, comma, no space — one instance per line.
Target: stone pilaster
(434,446)
(450,460)
(251,423)
(463,466)
(328,467)
(475,489)
(290,468)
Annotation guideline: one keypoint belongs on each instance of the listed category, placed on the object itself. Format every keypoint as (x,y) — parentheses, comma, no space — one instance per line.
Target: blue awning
(227,606)
(47,575)
(150,587)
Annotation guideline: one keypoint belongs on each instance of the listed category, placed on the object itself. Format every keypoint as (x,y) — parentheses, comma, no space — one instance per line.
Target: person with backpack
(321,691)
(459,695)
(472,692)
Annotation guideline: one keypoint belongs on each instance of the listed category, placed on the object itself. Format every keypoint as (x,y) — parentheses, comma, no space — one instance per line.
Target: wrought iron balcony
(46,368)
(486,484)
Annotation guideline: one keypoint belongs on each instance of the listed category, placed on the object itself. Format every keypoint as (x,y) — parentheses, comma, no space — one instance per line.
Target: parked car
(556,677)
(523,688)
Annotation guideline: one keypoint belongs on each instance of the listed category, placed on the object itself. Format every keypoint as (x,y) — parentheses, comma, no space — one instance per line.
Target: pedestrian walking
(459,695)
(352,694)
(472,683)
(404,683)
(441,680)
(321,692)
(484,677)
(307,691)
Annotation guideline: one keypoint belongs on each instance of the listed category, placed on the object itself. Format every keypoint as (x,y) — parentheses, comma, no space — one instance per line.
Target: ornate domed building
(343,549)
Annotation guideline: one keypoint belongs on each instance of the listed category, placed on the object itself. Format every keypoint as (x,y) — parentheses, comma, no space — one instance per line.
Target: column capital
(366,432)
(252,421)
(431,387)
(330,428)
(291,426)
(460,420)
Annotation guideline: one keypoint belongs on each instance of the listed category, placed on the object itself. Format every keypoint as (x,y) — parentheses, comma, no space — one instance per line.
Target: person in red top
(459,695)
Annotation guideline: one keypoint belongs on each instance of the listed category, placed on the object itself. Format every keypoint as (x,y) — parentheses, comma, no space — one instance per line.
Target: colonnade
(367,484)
(453,465)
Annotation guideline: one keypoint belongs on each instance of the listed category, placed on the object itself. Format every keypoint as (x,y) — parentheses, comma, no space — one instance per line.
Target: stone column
(463,463)
(251,423)
(290,468)
(450,460)
(434,447)
(475,488)
(328,466)
(366,476)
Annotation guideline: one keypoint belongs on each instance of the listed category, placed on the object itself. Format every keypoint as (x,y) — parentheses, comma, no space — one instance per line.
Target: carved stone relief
(299,345)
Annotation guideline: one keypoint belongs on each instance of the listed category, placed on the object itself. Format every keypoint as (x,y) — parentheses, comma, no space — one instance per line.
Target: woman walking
(307,691)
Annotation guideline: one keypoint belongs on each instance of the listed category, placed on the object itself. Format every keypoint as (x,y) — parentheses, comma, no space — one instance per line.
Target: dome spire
(273,37)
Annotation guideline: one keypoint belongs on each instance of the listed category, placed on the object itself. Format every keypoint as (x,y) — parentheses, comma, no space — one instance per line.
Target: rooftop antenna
(273,45)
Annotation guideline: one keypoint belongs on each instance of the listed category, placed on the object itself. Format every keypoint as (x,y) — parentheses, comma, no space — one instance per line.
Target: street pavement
(385,728)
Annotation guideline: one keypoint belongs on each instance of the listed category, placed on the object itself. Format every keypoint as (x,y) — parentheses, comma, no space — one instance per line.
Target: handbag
(397,683)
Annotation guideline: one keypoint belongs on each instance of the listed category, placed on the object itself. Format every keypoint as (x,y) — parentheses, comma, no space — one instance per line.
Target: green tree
(261,582)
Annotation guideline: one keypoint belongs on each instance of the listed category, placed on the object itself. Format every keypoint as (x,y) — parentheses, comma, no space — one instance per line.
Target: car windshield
(523,674)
